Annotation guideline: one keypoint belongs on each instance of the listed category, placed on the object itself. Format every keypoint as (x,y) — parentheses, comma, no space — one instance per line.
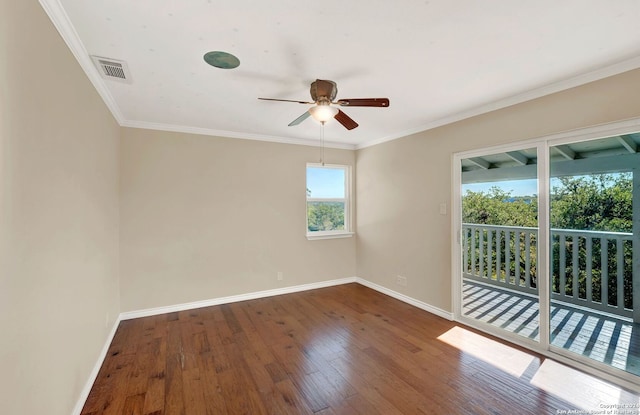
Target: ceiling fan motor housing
(322,88)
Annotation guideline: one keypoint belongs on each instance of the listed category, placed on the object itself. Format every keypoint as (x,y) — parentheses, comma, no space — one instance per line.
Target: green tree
(600,202)
(325,216)
(499,207)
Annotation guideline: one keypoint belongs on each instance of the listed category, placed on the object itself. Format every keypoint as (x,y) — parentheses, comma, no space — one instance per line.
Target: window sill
(329,235)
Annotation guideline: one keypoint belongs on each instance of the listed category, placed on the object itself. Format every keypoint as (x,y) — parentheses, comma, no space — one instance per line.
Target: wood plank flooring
(339,350)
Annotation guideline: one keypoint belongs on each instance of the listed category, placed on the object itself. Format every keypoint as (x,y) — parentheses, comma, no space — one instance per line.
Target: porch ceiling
(587,156)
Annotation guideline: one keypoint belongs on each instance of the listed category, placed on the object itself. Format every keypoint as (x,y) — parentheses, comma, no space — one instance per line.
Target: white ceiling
(437,61)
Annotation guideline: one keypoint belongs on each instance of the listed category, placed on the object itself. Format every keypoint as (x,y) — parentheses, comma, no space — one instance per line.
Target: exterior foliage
(325,216)
(498,207)
(600,202)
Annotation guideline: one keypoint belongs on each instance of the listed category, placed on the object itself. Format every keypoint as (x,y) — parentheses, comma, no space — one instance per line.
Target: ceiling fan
(323,93)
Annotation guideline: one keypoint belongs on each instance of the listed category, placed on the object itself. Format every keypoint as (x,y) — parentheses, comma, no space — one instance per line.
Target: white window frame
(342,233)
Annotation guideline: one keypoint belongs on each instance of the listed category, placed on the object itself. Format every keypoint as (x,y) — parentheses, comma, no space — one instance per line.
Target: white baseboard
(286,290)
(233,299)
(406,299)
(96,368)
(242,297)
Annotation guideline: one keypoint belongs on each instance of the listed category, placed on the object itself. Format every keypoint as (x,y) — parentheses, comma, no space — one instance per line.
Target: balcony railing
(588,268)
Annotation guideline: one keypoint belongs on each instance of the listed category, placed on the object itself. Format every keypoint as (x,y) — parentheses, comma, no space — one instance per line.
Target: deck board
(599,336)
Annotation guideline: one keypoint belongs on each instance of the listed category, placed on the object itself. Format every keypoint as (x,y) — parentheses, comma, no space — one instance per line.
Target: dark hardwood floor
(339,350)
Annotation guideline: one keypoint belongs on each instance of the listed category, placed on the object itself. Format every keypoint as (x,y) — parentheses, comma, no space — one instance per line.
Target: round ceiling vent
(221,60)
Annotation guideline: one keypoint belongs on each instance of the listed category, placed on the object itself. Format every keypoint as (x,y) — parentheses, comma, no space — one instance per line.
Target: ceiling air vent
(112,69)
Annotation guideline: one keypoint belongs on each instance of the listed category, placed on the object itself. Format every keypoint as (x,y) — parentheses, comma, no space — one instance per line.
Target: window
(328,207)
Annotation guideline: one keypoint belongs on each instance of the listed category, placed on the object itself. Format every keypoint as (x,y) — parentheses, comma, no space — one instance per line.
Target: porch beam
(628,143)
(609,164)
(503,173)
(518,157)
(480,162)
(566,152)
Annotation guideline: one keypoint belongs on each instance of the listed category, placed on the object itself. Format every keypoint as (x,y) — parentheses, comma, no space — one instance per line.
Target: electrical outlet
(400,280)
(280,276)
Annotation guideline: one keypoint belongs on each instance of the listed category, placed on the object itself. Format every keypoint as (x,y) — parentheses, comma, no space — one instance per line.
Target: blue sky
(521,187)
(517,187)
(325,182)
(329,183)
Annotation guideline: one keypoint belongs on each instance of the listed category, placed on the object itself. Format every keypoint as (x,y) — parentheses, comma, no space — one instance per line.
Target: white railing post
(620,273)
(604,270)
(589,267)
(635,244)
(482,264)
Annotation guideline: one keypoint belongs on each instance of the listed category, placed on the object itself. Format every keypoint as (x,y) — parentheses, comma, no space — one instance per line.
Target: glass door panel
(500,241)
(592,264)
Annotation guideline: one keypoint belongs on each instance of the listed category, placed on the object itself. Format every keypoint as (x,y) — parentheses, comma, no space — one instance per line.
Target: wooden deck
(603,337)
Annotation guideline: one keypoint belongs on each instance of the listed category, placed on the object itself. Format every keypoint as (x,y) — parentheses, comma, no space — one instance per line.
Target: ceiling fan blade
(364,102)
(286,100)
(300,119)
(345,120)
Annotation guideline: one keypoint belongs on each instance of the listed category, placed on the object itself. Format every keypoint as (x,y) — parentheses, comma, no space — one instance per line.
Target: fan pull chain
(322,141)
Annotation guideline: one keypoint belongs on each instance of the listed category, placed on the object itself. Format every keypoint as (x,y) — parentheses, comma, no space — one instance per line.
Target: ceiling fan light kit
(323,93)
(323,113)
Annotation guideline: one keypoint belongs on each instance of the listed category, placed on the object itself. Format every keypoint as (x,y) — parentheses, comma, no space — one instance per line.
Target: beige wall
(206,217)
(198,217)
(58,217)
(400,184)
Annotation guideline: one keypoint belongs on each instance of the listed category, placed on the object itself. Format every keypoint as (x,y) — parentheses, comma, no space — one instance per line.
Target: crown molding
(572,82)
(61,21)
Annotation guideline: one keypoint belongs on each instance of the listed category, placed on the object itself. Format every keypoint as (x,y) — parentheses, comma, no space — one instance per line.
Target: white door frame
(542,144)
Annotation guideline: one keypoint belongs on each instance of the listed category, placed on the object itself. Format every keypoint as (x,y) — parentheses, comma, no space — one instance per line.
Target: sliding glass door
(547,250)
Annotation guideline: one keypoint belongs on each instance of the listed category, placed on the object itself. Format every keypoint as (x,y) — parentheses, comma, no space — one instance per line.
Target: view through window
(500,242)
(327,199)
(591,271)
